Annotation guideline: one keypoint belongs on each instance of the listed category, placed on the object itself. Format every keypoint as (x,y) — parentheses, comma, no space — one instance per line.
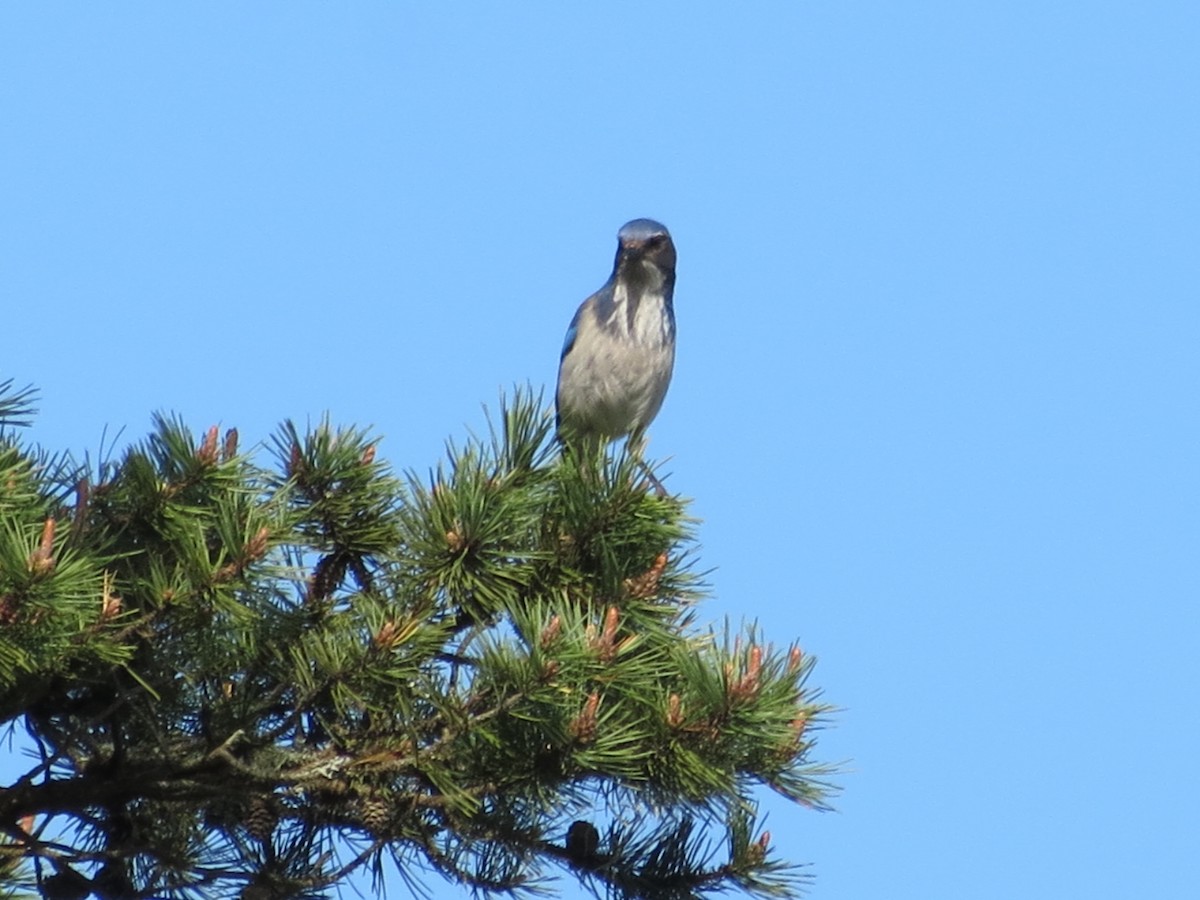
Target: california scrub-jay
(620,348)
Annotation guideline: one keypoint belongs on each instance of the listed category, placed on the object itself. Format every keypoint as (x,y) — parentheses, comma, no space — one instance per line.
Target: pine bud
(748,685)
(645,586)
(82,496)
(757,852)
(25,824)
(206,454)
(41,560)
(256,548)
(798,725)
(110,606)
(295,461)
(605,644)
(795,660)
(385,636)
(583,728)
(754,666)
(550,633)
(611,620)
(229,448)
(675,711)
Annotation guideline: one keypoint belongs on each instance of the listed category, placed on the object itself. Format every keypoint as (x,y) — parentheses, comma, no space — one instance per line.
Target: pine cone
(583,840)
(260,819)
(67,884)
(375,813)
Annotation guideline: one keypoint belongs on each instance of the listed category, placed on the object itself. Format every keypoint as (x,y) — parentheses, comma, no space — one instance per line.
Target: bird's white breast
(616,382)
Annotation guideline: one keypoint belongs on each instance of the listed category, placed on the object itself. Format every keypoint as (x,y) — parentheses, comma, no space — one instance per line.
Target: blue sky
(938,310)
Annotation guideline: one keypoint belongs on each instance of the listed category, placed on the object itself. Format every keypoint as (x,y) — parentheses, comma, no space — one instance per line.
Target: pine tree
(251,677)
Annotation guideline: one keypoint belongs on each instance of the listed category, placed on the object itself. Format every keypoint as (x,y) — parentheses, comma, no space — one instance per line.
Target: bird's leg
(585,451)
(658,485)
(637,446)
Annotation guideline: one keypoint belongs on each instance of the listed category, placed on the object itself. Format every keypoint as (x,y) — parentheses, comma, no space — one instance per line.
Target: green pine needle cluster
(250,674)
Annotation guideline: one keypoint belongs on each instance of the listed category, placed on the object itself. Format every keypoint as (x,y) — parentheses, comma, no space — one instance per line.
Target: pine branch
(16,405)
(234,673)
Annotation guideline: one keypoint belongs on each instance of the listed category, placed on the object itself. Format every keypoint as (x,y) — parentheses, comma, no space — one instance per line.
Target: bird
(619,351)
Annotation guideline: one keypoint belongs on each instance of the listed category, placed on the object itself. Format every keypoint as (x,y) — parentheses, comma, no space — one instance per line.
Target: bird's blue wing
(598,309)
(572,330)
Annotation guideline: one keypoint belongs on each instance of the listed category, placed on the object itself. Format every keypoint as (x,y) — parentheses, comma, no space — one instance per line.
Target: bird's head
(644,248)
